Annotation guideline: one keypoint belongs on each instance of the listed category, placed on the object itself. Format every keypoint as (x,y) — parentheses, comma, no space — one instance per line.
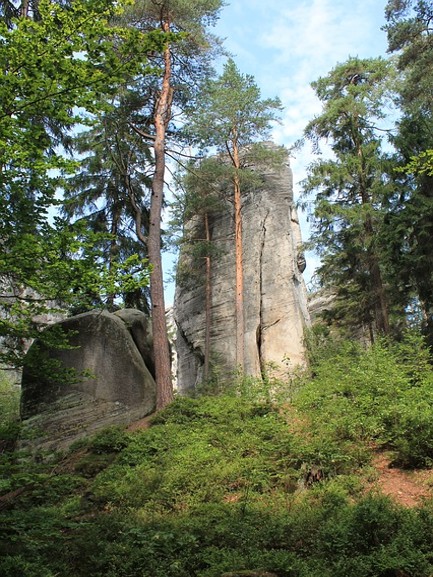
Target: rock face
(109,383)
(140,328)
(319,303)
(275,299)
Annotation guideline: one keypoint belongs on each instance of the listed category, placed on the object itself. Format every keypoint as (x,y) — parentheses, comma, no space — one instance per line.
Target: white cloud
(322,32)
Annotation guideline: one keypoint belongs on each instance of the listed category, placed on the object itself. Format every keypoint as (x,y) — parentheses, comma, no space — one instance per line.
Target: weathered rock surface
(320,302)
(140,327)
(110,383)
(275,299)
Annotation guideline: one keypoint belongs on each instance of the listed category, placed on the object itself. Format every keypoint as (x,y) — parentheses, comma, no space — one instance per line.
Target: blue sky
(287,44)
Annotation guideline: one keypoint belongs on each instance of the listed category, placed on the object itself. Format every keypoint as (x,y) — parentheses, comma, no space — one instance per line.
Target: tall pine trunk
(240,324)
(160,339)
(24,9)
(113,248)
(377,290)
(380,304)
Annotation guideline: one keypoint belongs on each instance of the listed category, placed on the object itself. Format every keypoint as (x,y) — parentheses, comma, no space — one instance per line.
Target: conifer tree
(183,65)
(410,221)
(110,192)
(200,199)
(350,190)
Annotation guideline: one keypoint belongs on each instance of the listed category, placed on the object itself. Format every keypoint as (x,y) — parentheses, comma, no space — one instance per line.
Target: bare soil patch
(408,488)
(141,424)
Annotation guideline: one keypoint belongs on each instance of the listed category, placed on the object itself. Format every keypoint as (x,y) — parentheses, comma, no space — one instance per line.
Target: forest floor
(407,488)
(143,423)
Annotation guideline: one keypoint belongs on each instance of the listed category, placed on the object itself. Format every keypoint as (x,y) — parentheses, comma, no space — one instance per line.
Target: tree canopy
(232,105)
(350,190)
(57,71)
(372,208)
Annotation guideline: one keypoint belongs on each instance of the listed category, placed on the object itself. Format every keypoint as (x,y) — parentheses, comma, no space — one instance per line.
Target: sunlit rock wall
(275,300)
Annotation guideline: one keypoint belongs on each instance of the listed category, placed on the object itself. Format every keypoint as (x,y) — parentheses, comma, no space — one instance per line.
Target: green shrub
(219,483)
(201,450)
(381,395)
(110,440)
(9,411)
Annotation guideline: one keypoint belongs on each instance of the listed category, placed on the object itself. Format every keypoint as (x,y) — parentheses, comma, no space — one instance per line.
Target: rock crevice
(260,327)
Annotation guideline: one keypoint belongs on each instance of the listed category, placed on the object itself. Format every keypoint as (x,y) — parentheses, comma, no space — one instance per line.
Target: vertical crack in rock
(195,353)
(261,288)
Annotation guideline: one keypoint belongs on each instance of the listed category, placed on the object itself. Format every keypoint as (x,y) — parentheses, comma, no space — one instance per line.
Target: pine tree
(183,65)
(200,199)
(410,220)
(110,192)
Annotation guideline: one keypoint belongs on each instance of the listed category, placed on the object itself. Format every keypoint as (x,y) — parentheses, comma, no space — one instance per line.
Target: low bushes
(381,395)
(238,482)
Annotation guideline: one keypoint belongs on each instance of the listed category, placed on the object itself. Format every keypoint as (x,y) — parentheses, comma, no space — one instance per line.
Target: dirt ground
(408,488)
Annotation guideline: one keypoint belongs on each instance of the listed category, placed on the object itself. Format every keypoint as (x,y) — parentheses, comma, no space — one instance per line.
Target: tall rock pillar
(275,299)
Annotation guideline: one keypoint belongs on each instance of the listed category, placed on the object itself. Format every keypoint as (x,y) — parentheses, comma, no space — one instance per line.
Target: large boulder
(100,380)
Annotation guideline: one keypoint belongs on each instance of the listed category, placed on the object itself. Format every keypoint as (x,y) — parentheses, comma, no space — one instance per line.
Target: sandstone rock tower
(275,299)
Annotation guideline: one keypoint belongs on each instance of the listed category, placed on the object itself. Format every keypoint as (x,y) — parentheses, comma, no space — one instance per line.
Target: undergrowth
(9,411)
(382,395)
(270,481)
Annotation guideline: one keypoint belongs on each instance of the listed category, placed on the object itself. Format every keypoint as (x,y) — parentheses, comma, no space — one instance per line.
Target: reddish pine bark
(240,325)
(160,339)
